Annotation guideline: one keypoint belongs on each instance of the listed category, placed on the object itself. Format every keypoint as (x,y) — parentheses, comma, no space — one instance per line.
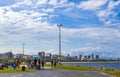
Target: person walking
(39,64)
(55,63)
(52,62)
(35,63)
(42,64)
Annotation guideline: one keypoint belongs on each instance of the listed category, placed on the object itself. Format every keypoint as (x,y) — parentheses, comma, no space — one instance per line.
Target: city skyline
(89,26)
(50,56)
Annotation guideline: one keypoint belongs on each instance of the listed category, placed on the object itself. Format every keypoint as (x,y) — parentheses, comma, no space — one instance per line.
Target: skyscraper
(92,56)
(80,57)
(97,57)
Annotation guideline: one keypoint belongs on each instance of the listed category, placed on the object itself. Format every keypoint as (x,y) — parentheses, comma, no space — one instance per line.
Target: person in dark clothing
(42,64)
(35,62)
(39,62)
(55,63)
(52,63)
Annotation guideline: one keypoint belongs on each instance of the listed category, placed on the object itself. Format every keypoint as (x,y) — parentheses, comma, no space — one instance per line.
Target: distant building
(6,55)
(70,58)
(75,58)
(89,57)
(19,56)
(1,55)
(80,57)
(9,54)
(48,56)
(97,57)
(85,57)
(55,56)
(41,55)
(92,56)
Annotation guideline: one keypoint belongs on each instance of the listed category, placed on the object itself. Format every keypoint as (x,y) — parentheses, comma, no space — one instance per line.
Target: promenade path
(57,73)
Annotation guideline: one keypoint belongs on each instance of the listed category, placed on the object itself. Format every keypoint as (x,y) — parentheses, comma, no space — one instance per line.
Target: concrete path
(57,73)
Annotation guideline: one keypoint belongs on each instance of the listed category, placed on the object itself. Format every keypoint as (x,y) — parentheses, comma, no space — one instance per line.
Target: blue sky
(89,26)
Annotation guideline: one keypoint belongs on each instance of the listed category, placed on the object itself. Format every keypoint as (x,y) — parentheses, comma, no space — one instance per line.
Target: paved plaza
(57,73)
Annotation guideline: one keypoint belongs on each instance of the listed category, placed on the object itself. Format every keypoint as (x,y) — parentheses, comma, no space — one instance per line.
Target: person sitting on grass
(14,65)
(6,65)
(17,63)
(1,67)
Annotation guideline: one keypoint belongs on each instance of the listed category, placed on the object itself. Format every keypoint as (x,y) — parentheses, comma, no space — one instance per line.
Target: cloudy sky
(89,26)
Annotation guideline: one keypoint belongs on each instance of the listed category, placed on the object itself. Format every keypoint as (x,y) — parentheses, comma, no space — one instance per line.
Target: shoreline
(95,61)
(105,65)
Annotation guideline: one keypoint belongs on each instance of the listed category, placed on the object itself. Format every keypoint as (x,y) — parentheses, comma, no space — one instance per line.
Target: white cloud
(88,49)
(48,10)
(108,16)
(112,4)
(39,2)
(31,25)
(93,32)
(53,2)
(18,50)
(92,4)
(106,10)
(103,41)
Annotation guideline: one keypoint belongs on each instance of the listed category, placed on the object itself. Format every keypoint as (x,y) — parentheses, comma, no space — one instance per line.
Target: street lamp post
(23,49)
(59,26)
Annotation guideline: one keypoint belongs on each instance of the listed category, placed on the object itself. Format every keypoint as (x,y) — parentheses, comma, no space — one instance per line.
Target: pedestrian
(52,63)
(39,64)
(32,65)
(55,63)
(35,62)
(42,64)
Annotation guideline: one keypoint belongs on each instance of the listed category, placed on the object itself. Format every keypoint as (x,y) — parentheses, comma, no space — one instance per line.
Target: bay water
(109,65)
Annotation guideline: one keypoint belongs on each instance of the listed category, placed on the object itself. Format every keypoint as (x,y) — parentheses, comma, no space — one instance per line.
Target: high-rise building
(97,57)
(80,57)
(85,57)
(92,56)
(89,57)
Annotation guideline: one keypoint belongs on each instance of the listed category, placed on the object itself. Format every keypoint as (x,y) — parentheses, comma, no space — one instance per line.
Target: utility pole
(59,26)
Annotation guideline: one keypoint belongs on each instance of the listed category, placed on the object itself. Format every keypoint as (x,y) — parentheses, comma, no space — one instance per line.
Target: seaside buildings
(41,55)
(6,55)
(50,56)
(89,57)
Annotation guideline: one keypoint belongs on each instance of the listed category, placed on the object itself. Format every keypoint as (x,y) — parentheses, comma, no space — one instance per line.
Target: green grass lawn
(11,70)
(108,71)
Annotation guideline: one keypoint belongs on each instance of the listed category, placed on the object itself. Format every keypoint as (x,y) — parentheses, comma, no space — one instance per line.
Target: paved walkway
(57,73)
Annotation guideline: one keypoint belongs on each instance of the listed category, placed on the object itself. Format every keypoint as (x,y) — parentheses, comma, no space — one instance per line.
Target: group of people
(13,63)
(36,63)
(54,63)
(31,64)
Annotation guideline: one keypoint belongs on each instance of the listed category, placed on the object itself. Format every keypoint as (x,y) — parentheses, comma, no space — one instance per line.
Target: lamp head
(59,24)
